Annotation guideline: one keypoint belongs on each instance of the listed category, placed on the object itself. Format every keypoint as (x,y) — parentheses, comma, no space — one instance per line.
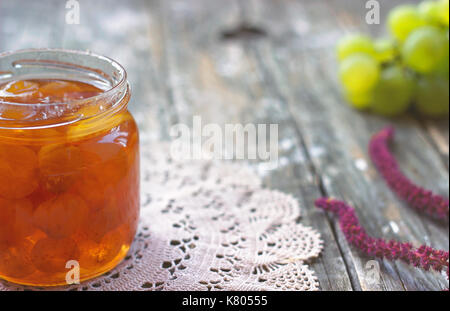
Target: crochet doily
(208,225)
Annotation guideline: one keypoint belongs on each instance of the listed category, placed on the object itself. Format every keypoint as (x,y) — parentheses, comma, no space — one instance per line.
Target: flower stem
(418,198)
(423,257)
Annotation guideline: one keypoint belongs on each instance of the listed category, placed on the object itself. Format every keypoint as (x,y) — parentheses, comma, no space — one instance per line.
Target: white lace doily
(211,226)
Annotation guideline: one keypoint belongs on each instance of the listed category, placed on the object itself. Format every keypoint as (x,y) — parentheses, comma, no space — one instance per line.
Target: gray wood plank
(438,133)
(341,135)
(21,24)
(129,32)
(181,64)
(223,82)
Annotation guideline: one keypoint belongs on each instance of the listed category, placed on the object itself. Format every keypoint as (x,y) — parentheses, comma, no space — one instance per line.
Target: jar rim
(117,84)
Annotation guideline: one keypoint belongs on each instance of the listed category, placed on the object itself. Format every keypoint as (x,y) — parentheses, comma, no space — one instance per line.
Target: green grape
(393,93)
(360,101)
(443,66)
(386,50)
(433,96)
(359,73)
(354,44)
(430,11)
(444,11)
(403,20)
(424,49)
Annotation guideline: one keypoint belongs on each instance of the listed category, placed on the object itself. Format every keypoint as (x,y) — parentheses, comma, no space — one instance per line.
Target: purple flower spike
(420,199)
(423,257)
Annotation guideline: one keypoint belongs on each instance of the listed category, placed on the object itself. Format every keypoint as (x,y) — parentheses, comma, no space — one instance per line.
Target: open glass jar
(69,166)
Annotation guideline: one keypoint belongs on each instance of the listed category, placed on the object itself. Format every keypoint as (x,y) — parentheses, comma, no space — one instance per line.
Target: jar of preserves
(69,166)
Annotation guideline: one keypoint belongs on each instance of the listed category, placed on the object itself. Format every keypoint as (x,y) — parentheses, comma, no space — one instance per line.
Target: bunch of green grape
(410,68)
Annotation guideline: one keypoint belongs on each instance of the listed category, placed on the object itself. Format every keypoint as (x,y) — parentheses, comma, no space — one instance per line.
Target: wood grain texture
(337,138)
(264,62)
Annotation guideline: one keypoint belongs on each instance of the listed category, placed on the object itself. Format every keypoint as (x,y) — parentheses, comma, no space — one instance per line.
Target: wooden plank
(438,132)
(180,66)
(223,82)
(18,24)
(128,32)
(342,134)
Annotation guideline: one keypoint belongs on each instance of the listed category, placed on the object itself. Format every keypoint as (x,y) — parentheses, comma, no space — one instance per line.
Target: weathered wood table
(264,61)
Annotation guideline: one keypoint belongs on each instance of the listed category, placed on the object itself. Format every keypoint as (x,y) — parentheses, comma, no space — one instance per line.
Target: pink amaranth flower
(423,257)
(420,199)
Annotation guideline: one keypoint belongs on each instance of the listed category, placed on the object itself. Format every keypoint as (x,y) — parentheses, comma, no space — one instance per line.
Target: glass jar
(69,169)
